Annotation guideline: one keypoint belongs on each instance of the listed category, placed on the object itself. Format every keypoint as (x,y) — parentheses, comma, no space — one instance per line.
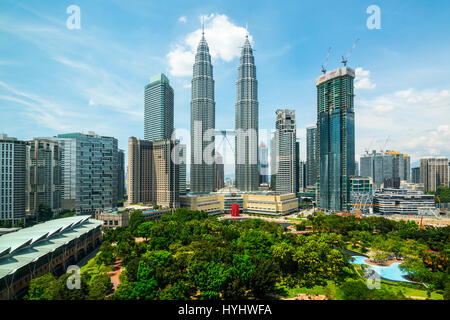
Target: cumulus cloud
(362,79)
(224,39)
(182,19)
(416,122)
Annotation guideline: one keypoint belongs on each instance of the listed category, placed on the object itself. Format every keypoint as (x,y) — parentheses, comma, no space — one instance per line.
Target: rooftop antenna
(324,65)
(345,59)
(246,29)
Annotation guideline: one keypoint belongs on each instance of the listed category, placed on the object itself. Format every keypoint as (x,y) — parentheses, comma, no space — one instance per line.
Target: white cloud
(224,39)
(182,19)
(362,79)
(416,122)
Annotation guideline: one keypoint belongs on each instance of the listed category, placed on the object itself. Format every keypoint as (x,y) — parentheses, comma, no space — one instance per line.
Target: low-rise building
(269,203)
(51,246)
(401,201)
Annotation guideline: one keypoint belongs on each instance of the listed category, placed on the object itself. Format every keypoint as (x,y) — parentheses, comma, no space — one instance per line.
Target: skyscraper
(415,175)
(302,175)
(336,132)
(158,108)
(89,171)
(202,122)
(246,164)
(386,167)
(44,175)
(219,171)
(182,170)
(286,152)
(434,172)
(120,174)
(12,179)
(153,176)
(264,164)
(312,157)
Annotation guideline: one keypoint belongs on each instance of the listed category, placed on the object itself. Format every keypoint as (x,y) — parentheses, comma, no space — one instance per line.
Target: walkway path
(114,275)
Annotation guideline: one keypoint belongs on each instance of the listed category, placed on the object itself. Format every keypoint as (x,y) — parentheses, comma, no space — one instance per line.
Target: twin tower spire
(203,121)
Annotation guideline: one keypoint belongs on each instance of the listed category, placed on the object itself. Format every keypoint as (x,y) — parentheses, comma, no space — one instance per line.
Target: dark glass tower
(336,131)
(202,122)
(158,109)
(246,164)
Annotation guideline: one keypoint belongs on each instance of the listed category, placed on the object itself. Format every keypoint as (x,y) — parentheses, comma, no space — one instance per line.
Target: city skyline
(383,96)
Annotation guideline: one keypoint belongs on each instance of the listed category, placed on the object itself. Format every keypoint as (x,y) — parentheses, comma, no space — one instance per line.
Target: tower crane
(345,59)
(325,64)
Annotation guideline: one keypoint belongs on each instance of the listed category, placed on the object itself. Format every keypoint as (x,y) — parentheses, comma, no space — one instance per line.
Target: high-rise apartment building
(153,176)
(246,155)
(286,152)
(219,171)
(386,168)
(89,171)
(434,172)
(13,155)
(158,109)
(120,174)
(264,172)
(312,157)
(336,137)
(44,175)
(202,122)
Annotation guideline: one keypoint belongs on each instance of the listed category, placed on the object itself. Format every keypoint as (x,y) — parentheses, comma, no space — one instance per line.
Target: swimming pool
(391,272)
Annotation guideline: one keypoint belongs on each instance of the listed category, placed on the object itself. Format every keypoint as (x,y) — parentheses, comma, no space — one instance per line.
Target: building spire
(203,25)
(246,30)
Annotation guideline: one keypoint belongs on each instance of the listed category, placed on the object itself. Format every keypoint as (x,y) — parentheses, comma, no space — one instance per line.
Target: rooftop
(19,248)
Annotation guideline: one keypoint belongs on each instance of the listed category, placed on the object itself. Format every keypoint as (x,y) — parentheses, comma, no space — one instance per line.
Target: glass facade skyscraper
(387,167)
(89,171)
(246,164)
(312,157)
(336,133)
(158,108)
(203,122)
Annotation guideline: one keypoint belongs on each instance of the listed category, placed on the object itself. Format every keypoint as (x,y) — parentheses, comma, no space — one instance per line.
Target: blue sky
(55,80)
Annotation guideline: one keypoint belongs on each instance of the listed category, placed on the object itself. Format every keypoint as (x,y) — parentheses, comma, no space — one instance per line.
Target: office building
(219,171)
(264,172)
(13,155)
(312,157)
(386,168)
(182,169)
(44,175)
(302,176)
(153,176)
(415,175)
(120,174)
(89,171)
(246,155)
(286,152)
(336,137)
(402,201)
(158,109)
(203,122)
(434,172)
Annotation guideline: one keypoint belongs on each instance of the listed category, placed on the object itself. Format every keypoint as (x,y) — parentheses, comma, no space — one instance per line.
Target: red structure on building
(235,210)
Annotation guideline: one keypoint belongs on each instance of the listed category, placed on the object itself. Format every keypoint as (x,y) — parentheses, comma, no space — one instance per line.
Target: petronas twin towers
(203,122)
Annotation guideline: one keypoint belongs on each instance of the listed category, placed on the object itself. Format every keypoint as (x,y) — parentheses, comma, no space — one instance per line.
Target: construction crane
(325,64)
(367,204)
(385,144)
(345,59)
